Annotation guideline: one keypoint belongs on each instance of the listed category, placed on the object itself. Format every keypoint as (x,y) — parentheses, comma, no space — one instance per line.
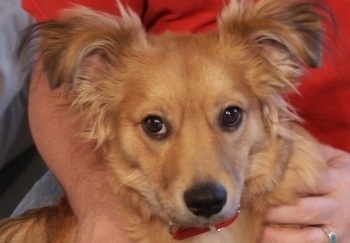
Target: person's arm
(80,170)
(329,209)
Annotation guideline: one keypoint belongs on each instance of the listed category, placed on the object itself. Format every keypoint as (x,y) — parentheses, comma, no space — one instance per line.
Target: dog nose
(205,199)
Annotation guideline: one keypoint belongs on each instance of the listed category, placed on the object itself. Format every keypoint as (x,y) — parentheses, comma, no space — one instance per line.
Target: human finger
(314,210)
(274,234)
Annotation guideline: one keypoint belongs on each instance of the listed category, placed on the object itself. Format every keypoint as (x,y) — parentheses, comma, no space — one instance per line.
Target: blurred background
(17,177)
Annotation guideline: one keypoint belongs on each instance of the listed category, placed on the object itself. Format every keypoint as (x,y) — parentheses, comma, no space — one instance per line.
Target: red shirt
(325,100)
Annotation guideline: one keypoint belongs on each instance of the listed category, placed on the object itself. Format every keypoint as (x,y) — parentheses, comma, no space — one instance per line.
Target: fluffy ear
(64,44)
(289,32)
(284,34)
(79,51)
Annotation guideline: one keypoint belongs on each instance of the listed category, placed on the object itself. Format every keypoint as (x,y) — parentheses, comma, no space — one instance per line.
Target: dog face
(185,121)
(180,131)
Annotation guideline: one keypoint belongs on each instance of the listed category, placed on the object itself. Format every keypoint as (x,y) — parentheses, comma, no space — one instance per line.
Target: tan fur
(119,75)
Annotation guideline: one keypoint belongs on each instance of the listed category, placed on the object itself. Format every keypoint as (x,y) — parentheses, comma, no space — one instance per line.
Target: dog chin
(188,219)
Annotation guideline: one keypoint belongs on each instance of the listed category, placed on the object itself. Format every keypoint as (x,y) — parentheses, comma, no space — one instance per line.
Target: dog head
(186,121)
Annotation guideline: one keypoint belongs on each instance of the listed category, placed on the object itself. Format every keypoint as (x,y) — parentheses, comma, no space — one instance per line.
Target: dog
(195,128)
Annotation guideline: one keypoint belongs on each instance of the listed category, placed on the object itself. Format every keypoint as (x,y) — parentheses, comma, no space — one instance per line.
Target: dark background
(17,177)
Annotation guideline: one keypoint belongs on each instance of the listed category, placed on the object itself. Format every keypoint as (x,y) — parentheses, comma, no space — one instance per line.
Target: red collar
(184,233)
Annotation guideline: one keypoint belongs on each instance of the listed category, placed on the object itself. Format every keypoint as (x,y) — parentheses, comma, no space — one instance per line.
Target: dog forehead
(182,64)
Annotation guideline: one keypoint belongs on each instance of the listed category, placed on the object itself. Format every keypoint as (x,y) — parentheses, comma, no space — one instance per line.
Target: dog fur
(172,111)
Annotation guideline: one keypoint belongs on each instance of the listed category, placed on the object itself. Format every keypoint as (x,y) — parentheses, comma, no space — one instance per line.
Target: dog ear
(64,44)
(288,33)
(285,35)
(79,51)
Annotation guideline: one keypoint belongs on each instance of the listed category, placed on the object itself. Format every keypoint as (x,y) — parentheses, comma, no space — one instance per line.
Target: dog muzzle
(181,233)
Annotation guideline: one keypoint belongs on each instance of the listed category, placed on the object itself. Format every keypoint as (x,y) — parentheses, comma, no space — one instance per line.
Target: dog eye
(231,118)
(155,126)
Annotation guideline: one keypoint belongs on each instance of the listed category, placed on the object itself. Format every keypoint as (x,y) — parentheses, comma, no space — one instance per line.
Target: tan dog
(192,126)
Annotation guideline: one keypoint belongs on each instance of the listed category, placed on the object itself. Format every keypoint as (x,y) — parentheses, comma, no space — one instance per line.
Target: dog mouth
(189,220)
(181,232)
(206,222)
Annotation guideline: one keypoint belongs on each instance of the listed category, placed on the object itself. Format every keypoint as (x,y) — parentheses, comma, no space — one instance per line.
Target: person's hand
(329,209)
(78,167)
